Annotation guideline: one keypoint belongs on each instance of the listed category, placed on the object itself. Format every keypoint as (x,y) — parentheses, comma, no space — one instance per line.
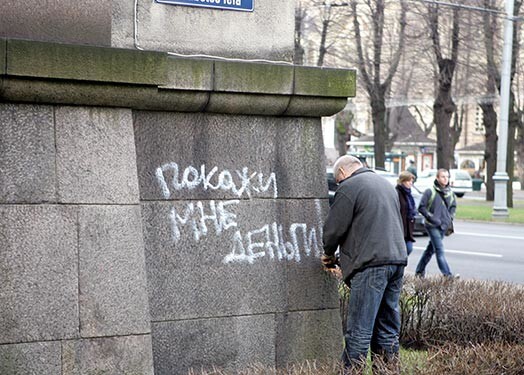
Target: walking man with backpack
(438,205)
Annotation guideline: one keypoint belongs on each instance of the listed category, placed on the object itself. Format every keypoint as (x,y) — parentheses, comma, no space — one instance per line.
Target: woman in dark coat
(408,210)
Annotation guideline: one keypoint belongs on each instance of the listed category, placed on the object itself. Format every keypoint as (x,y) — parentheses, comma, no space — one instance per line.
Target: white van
(459,180)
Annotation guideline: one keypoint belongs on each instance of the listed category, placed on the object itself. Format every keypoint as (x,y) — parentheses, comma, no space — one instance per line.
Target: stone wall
(159,214)
(267,32)
(73,291)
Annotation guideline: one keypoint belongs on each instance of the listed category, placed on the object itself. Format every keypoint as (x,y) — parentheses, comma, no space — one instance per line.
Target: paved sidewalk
(481,195)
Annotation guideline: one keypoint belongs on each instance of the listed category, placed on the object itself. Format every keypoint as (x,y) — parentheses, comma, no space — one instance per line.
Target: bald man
(364,222)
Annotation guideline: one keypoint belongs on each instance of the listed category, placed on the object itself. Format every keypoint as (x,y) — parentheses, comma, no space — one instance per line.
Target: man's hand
(329,261)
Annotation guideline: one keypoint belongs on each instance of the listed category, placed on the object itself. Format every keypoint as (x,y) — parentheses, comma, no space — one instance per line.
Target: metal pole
(500,205)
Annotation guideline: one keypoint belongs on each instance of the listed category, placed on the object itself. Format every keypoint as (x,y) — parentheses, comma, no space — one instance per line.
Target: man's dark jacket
(365,222)
(442,210)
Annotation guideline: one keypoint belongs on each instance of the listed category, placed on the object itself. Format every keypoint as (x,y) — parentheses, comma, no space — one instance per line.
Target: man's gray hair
(346,162)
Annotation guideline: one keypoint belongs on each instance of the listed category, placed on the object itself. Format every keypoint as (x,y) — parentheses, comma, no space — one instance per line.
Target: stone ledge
(189,74)
(253,78)
(3,54)
(42,72)
(314,81)
(85,63)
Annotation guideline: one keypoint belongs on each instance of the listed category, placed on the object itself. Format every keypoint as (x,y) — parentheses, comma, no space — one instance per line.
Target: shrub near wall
(436,311)
(464,327)
(479,359)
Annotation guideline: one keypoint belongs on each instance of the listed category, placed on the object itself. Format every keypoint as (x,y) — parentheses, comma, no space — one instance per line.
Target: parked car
(392,178)
(459,180)
(332,185)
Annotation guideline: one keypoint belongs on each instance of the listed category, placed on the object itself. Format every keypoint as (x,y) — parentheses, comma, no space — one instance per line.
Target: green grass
(482,210)
(410,361)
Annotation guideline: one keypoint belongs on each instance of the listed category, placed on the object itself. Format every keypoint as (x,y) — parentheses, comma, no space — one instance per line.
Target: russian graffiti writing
(242,182)
(199,219)
(196,217)
(269,241)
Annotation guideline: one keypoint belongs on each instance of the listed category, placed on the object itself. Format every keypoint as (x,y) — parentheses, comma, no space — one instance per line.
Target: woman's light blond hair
(405,176)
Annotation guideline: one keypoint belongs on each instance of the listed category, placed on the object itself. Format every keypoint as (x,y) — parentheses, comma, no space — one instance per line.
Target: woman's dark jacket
(364,221)
(408,224)
(442,210)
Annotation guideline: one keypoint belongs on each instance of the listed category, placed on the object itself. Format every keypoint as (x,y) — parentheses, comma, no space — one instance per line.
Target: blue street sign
(242,5)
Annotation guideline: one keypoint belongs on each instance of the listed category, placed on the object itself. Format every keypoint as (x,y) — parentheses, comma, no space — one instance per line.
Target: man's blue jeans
(373,314)
(435,246)
(409,247)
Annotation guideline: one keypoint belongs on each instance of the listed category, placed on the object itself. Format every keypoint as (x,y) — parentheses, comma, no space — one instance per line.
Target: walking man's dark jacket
(441,212)
(364,220)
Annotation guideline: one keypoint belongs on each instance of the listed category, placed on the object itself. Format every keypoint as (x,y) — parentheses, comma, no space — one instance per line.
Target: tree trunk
(513,124)
(322,48)
(378,113)
(514,121)
(444,107)
(490,151)
(443,110)
(340,140)
(343,130)
(510,163)
(520,155)
(490,119)
(298,56)
(370,71)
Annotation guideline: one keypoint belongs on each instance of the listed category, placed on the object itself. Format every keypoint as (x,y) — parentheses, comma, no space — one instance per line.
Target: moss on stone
(61,73)
(253,78)
(325,82)
(189,74)
(54,60)
(2,56)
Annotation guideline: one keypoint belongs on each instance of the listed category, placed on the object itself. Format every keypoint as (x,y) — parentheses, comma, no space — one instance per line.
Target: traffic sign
(241,5)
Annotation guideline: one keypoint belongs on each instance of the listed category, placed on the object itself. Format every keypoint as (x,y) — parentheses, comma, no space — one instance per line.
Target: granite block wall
(265,33)
(159,214)
(73,278)
(88,22)
(135,240)
(232,210)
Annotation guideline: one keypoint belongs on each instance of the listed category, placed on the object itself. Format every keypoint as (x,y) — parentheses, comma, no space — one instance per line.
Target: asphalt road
(485,251)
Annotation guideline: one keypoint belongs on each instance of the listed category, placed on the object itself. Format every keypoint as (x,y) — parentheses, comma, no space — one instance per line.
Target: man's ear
(342,173)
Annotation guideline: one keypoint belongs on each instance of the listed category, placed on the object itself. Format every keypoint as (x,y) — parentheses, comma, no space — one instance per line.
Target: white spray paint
(245,183)
(271,241)
(220,218)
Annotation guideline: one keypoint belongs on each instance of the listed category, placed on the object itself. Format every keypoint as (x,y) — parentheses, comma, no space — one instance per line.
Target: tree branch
(433,21)
(398,53)
(361,62)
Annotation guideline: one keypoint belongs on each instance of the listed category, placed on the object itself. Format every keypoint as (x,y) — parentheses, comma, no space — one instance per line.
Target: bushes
(437,311)
(479,359)
(463,327)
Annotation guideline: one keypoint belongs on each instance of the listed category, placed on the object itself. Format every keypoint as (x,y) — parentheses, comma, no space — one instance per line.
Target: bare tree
(319,25)
(326,22)
(514,120)
(344,130)
(519,111)
(488,110)
(444,107)
(370,68)
(519,142)
(300,15)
